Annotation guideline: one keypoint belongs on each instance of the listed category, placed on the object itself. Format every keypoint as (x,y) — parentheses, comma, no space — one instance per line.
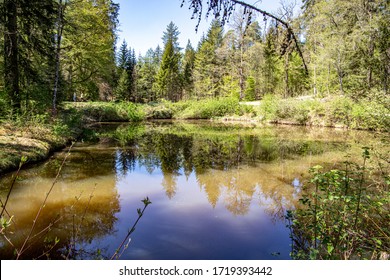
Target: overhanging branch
(224,8)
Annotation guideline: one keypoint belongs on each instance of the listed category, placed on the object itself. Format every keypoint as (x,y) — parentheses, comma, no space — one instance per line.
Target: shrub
(343,214)
(158,112)
(340,110)
(269,106)
(210,108)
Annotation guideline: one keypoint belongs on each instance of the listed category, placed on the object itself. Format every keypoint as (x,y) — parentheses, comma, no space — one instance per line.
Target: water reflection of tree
(68,209)
(72,223)
(81,164)
(169,184)
(239,191)
(239,187)
(212,188)
(126,160)
(190,148)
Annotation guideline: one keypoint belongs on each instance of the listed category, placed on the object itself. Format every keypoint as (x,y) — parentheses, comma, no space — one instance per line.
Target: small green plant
(343,215)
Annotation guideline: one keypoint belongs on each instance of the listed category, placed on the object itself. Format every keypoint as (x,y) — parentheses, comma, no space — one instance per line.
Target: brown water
(218,191)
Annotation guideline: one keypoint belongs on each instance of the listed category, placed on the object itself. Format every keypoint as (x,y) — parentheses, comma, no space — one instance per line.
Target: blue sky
(142,22)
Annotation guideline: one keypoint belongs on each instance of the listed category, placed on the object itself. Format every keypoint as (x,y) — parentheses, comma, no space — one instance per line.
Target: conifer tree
(148,66)
(188,68)
(207,69)
(28,52)
(168,81)
(123,55)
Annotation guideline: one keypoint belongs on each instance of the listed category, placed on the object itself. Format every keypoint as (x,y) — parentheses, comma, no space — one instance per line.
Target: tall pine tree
(168,81)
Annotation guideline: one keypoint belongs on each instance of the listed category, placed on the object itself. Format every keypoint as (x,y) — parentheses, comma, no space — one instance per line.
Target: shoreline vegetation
(37,136)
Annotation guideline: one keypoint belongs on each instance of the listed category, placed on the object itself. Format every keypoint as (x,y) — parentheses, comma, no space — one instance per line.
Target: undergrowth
(344,213)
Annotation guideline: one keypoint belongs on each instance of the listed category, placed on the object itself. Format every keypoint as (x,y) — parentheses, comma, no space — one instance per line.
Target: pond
(218,191)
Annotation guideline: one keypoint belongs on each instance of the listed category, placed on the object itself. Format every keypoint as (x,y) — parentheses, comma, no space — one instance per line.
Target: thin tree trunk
(11,64)
(340,73)
(58,56)
(286,64)
(241,71)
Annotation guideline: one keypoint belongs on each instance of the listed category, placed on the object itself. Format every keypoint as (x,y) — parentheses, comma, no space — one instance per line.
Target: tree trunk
(340,73)
(242,96)
(60,28)
(286,64)
(11,79)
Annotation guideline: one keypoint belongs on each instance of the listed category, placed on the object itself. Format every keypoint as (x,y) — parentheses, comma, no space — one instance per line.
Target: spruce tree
(123,55)
(188,68)
(207,66)
(168,81)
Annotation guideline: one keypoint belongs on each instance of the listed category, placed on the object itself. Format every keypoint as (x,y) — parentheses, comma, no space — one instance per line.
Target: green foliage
(338,111)
(250,91)
(108,111)
(146,76)
(4,106)
(345,41)
(207,70)
(343,214)
(122,91)
(134,112)
(188,68)
(269,106)
(168,82)
(88,58)
(159,111)
(210,108)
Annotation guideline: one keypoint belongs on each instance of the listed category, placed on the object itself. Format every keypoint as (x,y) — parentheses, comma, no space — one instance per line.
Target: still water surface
(218,191)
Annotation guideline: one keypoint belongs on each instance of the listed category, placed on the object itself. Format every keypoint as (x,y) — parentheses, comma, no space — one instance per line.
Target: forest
(322,63)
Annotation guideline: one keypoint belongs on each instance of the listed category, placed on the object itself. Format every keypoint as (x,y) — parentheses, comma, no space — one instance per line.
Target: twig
(78,228)
(22,161)
(22,249)
(48,227)
(146,202)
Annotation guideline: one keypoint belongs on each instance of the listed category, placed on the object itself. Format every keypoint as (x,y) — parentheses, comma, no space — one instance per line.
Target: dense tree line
(55,50)
(343,48)
(65,50)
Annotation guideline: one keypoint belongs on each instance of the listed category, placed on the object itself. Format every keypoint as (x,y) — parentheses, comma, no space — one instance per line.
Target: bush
(210,108)
(370,115)
(269,106)
(164,110)
(340,109)
(109,111)
(134,112)
(343,214)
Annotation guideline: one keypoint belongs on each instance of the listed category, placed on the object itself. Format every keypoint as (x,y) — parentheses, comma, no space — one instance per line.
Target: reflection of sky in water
(186,226)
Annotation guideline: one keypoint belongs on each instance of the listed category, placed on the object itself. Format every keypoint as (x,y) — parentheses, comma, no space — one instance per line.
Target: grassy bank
(335,111)
(35,138)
